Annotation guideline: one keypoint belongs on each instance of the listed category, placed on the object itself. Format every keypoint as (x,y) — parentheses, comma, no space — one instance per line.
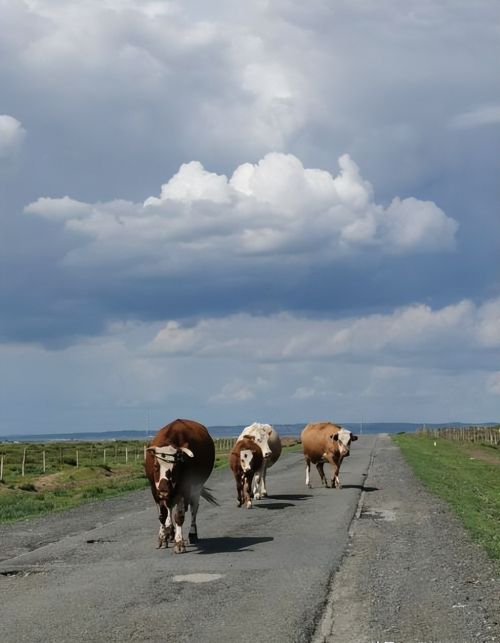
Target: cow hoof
(257,496)
(249,504)
(180,547)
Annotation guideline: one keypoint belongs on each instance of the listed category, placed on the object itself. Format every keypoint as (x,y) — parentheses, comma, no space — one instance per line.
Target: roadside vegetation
(466,475)
(38,478)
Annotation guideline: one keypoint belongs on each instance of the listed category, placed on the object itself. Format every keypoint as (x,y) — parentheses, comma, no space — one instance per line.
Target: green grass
(457,473)
(64,485)
(27,499)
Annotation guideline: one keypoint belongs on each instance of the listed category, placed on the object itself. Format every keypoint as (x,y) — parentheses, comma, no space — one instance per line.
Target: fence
(476,434)
(37,459)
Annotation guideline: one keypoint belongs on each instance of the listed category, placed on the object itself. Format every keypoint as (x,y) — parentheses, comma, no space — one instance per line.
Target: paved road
(94,574)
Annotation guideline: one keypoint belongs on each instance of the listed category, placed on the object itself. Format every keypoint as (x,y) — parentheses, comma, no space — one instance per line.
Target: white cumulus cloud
(412,335)
(12,135)
(275,209)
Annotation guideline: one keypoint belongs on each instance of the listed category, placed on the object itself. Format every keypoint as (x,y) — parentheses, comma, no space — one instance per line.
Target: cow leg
(169,526)
(308,473)
(336,461)
(335,479)
(263,489)
(321,472)
(239,490)
(247,490)
(163,533)
(256,484)
(194,504)
(179,515)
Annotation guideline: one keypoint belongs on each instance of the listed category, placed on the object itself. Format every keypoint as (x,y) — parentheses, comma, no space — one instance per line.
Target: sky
(269,211)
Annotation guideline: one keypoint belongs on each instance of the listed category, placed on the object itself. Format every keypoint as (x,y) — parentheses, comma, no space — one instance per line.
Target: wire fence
(31,459)
(476,434)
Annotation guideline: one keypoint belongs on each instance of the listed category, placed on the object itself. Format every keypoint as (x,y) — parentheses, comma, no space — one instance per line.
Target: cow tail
(205,493)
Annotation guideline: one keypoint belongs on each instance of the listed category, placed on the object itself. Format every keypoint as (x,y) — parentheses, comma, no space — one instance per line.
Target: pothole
(19,573)
(197,578)
(379,514)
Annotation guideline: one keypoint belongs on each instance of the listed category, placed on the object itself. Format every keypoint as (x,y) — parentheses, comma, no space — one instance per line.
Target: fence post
(126,455)
(43,461)
(77,460)
(1,468)
(23,462)
(104,456)
(91,453)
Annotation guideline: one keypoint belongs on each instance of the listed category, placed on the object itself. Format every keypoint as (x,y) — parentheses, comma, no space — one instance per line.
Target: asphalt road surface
(93,574)
(379,560)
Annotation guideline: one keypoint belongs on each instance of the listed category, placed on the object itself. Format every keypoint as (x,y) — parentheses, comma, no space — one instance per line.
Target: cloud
(12,135)
(448,338)
(275,209)
(494,383)
(59,209)
(484,115)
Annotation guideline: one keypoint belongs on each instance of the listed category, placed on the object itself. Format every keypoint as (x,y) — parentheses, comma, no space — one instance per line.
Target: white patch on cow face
(344,440)
(246,457)
(260,433)
(164,459)
(262,440)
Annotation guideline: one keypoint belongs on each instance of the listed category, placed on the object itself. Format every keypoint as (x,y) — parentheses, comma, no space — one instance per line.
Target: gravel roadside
(411,572)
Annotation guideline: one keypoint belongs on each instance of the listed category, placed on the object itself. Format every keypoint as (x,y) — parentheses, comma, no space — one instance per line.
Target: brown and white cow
(325,442)
(178,462)
(245,461)
(267,438)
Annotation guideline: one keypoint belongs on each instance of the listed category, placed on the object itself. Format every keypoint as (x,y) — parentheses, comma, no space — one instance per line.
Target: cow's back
(316,439)
(275,446)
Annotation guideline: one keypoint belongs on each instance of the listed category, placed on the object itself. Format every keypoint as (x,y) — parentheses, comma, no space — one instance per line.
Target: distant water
(291,430)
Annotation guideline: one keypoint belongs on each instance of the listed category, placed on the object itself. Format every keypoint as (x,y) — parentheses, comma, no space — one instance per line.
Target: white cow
(269,441)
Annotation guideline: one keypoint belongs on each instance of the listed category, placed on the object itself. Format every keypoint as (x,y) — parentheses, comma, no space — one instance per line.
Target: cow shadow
(359,486)
(273,505)
(229,544)
(291,496)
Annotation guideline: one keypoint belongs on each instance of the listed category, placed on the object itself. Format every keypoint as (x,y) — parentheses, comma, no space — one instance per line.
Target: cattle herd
(181,456)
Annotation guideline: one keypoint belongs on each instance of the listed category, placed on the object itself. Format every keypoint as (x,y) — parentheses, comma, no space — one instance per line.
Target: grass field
(59,476)
(467,476)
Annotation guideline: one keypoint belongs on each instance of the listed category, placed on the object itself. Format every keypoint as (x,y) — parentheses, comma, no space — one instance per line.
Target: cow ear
(335,436)
(187,451)
(354,438)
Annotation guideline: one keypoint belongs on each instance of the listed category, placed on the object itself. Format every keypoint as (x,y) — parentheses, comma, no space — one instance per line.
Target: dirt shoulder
(411,572)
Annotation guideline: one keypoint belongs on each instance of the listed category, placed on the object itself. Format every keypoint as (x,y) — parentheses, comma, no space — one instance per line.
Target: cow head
(246,458)
(261,437)
(344,439)
(168,461)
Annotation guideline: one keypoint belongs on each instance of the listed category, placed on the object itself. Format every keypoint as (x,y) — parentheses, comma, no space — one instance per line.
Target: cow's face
(167,463)
(246,458)
(344,439)
(261,437)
